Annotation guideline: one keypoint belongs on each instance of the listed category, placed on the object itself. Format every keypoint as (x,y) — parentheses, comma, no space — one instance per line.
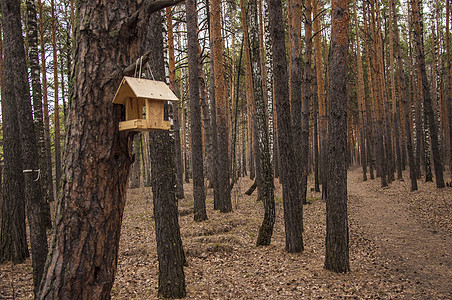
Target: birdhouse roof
(143,88)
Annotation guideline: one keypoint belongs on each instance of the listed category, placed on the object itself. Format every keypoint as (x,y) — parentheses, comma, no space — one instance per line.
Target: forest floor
(400,247)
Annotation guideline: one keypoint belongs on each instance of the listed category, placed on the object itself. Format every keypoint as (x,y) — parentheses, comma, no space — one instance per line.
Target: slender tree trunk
(395,113)
(45,104)
(195,113)
(296,76)
(337,238)
(315,106)
(360,94)
(449,82)
(135,172)
(428,107)
(175,106)
(293,208)
(56,108)
(222,109)
(405,98)
(320,92)
(307,95)
(38,113)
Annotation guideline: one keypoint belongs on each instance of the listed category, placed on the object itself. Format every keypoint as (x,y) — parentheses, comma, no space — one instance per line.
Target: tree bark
(337,238)
(46,182)
(84,252)
(293,207)
(264,163)
(17,94)
(195,113)
(225,204)
(45,104)
(56,108)
(175,105)
(135,173)
(404,98)
(428,108)
(449,82)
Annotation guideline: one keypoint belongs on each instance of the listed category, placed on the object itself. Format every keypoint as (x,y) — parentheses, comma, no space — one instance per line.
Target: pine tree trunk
(222,109)
(449,82)
(360,94)
(45,104)
(404,98)
(195,113)
(315,106)
(293,207)
(46,184)
(307,95)
(395,113)
(428,107)
(296,76)
(18,95)
(56,108)
(13,236)
(337,238)
(135,172)
(175,106)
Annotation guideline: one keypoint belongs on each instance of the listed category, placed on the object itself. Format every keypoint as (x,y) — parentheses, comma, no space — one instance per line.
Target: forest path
(402,224)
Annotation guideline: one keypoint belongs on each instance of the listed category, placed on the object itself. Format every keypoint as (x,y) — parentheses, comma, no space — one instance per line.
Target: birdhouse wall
(154,113)
(134,109)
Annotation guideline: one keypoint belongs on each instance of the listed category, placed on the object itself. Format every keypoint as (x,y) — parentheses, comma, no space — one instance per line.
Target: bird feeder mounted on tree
(144,100)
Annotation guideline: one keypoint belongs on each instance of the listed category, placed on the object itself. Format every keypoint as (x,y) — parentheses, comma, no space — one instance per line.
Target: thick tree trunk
(195,113)
(337,237)
(428,107)
(175,105)
(84,250)
(293,207)
(449,83)
(46,182)
(222,109)
(17,94)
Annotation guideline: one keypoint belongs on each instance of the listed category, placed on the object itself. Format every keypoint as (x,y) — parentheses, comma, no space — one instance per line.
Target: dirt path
(391,218)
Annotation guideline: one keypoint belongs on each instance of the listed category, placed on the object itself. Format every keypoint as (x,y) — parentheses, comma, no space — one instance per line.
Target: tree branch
(152,6)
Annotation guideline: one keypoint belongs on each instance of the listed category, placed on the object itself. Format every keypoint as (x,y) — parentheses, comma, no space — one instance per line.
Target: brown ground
(400,247)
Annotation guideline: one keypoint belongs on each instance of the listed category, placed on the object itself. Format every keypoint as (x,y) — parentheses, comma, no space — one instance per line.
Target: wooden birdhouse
(144,100)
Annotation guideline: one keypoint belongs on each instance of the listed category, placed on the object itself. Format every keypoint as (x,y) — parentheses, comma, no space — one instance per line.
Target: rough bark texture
(18,95)
(13,237)
(46,183)
(84,252)
(264,163)
(405,102)
(225,204)
(169,243)
(135,172)
(395,113)
(296,76)
(176,110)
(195,113)
(291,197)
(56,108)
(428,107)
(45,104)
(449,83)
(307,95)
(360,94)
(337,248)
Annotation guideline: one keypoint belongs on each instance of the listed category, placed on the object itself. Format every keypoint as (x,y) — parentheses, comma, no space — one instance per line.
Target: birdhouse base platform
(144,125)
